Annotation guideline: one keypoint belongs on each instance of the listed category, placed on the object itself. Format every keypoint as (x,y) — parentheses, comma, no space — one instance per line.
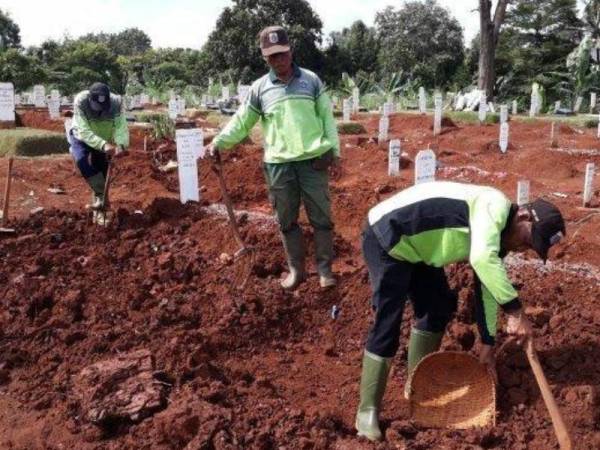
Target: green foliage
(533,47)
(233,45)
(162,127)
(32,142)
(351,128)
(421,39)
(22,70)
(10,34)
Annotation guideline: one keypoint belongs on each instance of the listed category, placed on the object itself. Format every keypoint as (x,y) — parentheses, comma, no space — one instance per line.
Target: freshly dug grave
(134,337)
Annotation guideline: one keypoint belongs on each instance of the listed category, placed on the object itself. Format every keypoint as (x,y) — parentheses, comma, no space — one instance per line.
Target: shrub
(351,128)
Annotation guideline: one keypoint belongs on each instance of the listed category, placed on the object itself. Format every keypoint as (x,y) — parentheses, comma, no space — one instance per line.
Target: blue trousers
(392,283)
(89,160)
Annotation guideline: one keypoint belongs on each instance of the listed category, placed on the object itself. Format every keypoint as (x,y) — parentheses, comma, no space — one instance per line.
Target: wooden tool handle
(560,429)
(218,169)
(7,192)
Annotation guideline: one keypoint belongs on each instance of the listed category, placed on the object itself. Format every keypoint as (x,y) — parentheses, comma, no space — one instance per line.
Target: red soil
(263,368)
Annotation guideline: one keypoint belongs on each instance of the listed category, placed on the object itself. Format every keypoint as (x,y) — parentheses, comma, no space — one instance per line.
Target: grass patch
(351,128)
(472,117)
(32,142)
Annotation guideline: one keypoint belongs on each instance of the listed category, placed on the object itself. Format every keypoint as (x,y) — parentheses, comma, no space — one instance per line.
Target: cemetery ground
(134,337)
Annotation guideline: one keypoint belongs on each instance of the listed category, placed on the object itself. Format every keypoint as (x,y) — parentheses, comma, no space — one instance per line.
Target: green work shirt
(296,118)
(442,222)
(97,128)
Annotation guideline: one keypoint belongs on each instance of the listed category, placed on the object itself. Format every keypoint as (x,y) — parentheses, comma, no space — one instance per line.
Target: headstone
(437,115)
(171,94)
(592,102)
(491,107)
(578,103)
(522,192)
(554,131)
(388,108)
(504,130)
(144,99)
(190,147)
(225,92)
(346,110)
(384,126)
(7,102)
(243,90)
(482,107)
(503,114)
(205,100)
(588,188)
(68,126)
(534,107)
(598,126)
(425,166)
(17,99)
(181,106)
(515,108)
(355,100)
(394,158)
(173,108)
(39,96)
(54,108)
(422,100)
(556,106)
(55,94)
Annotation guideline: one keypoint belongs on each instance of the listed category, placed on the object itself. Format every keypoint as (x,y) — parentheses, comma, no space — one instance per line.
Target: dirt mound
(38,118)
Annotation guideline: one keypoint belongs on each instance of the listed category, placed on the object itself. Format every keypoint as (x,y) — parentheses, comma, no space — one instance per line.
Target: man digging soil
(408,240)
(99,131)
(301,146)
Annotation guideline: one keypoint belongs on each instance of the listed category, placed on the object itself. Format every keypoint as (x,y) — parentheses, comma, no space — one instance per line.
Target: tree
(10,34)
(488,40)
(422,40)
(591,17)
(22,70)
(536,39)
(130,42)
(359,46)
(233,45)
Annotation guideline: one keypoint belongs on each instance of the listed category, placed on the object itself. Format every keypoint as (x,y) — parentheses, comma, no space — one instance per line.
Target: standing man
(301,145)
(98,132)
(408,240)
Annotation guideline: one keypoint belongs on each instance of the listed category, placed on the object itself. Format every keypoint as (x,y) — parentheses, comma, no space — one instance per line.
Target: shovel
(103,212)
(243,250)
(560,429)
(3,229)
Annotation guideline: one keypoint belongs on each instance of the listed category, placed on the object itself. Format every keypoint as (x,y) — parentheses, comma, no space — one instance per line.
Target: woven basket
(452,390)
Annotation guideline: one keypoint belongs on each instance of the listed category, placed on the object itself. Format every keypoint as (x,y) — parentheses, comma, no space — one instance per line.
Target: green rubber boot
(420,344)
(293,244)
(97,183)
(375,371)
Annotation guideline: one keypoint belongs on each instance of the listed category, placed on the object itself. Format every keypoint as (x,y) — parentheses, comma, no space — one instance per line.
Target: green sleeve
(238,128)
(325,112)
(83,131)
(121,131)
(488,218)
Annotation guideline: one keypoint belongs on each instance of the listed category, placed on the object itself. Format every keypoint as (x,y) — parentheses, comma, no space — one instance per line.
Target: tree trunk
(488,39)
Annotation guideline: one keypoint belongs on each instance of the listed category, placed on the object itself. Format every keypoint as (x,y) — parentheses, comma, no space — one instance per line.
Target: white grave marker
(171,94)
(425,166)
(7,102)
(588,188)
(225,92)
(388,108)
(54,108)
(39,96)
(55,94)
(384,127)
(556,106)
(515,108)
(482,106)
(394,158)
(243,90)
(504,130)
(181,106)
(17,99)
(598,126)
(355,100)
(173,108)
(522,192)
(190,146)
(437,115)
(503,114)
(592,103)
(346,110)
(144,99)
(578,103)
(422,100)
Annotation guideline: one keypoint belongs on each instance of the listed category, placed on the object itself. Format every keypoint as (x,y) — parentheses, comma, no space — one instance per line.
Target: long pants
(392,282)
(293,182)
(89,160)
